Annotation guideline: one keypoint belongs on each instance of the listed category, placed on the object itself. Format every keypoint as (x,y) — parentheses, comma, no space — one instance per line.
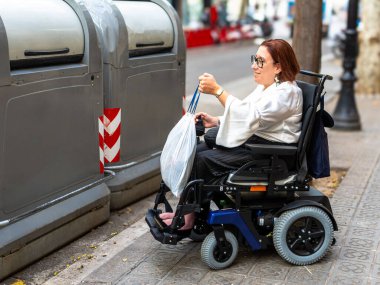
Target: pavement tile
(341,235)
(164,257)
(270,269)
(120,264)
(220,277)
(357,254)
(96,283)
(354,183)
(372,194)
(147,241)
(332,254)
(344,211)
(365,243)
(243,264)
(184,275)
(110,271)
(323,265)
(260,281)
(361,170)
(345,201)
(366,233)
(346,191)
(373,281)
(366,223)
(140,280)
(375,271)
(371,197)
(368,211)
(244,261)
(376,178)
(342,279)
(352,268)
(367,215)
(57,281)
(151,270)
(342,220)
(193,260)
(303,275)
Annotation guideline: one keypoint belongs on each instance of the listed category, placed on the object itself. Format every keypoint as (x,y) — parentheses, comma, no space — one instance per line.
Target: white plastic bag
(177,157)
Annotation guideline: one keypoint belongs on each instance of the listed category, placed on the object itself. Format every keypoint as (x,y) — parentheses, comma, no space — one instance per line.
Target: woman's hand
(208,121)
(208,84)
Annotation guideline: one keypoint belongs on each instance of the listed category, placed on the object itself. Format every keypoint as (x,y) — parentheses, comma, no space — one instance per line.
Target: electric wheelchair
(266,202)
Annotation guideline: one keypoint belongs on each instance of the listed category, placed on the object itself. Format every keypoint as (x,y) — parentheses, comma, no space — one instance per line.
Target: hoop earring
(277,80)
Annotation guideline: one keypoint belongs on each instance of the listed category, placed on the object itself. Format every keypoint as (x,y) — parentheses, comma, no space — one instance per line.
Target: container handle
(140,45)
(46,52)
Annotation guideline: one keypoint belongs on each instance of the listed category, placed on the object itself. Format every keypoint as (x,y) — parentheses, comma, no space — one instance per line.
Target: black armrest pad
(272,149)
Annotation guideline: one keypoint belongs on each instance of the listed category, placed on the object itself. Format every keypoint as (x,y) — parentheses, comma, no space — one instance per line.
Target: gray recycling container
(144,76)
(51,96)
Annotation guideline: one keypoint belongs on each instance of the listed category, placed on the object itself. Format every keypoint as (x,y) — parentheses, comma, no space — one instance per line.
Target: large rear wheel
(304,235)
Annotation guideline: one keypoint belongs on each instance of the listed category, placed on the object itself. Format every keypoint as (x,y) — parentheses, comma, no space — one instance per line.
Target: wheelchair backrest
(311,95)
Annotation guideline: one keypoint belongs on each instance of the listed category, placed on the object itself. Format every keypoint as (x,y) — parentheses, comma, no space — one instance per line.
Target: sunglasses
(258,60)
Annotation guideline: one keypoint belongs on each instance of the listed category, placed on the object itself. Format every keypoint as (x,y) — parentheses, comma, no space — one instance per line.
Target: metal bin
(144,77)
(51,96)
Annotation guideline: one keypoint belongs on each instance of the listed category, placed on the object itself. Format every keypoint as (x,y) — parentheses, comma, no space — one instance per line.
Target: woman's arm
(208,85)
(208,121)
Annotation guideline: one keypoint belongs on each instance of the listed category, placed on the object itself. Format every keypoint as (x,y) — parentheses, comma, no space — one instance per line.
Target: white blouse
(274,114)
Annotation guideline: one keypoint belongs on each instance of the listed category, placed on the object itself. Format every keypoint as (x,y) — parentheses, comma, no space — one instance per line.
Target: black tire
(304,235)
(213,257)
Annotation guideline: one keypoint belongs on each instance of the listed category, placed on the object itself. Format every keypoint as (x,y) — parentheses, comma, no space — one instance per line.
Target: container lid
(149,26)
(40,29)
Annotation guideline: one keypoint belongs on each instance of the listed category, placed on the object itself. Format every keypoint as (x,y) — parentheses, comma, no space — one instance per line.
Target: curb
(77,272)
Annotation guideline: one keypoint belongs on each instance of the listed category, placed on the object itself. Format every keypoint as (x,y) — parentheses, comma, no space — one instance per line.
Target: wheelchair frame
(256,204)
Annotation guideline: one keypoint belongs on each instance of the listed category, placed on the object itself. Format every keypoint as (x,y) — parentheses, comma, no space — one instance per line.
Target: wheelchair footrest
(161,232)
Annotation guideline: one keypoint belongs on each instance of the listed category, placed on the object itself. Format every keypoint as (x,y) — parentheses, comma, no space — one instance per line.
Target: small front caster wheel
(216,257)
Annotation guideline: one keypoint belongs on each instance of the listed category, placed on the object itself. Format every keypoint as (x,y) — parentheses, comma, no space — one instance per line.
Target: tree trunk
(369,54)
(307,35)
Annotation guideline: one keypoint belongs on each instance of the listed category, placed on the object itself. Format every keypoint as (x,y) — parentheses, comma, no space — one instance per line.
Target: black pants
(214,164)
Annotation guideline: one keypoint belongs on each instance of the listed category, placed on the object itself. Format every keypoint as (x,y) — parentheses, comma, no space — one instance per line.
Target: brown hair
(283,53)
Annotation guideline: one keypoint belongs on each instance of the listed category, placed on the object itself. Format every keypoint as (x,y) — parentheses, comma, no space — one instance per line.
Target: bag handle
(194,101)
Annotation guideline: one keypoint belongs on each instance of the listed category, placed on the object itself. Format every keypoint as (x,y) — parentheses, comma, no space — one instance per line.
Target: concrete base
(31,238)
(135,182)
(120,199)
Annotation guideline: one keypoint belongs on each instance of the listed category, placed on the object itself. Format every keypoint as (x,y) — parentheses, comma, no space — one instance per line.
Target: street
(228,63)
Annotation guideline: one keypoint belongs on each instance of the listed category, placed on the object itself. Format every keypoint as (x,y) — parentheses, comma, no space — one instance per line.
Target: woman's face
(264,68)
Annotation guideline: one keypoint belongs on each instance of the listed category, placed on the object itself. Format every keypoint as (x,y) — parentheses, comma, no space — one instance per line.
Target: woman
(271,114)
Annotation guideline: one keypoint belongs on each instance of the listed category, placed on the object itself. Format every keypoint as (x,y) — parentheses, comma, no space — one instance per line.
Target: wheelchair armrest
(272,149)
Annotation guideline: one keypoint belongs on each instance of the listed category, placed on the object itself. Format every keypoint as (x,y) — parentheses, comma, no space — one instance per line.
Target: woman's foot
(167,218)
(167,215)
